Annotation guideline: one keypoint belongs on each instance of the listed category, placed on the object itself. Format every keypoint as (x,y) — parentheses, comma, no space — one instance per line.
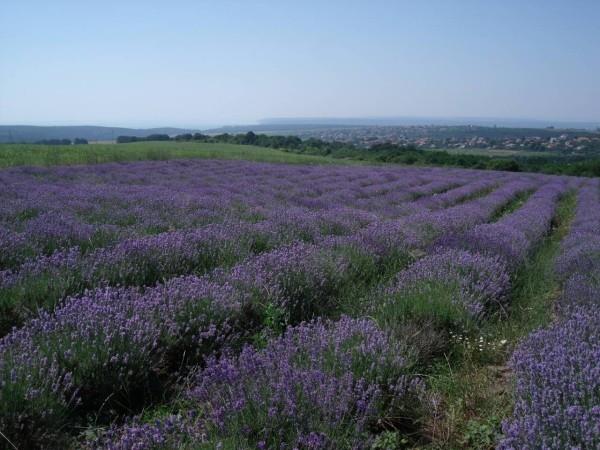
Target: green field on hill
(50,155)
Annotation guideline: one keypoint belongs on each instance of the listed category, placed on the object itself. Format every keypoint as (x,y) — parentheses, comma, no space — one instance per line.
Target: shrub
(301,280)
(320,385)
(558,386)
(109,351)
(451,288)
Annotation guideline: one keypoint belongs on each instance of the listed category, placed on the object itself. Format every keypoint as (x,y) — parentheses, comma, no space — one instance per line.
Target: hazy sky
(194,63)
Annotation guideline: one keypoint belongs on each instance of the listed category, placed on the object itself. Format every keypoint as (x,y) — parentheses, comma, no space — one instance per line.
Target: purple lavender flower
(113,344)
(557,369)
(515,235)
(558,386)
(454,284)
(318,386)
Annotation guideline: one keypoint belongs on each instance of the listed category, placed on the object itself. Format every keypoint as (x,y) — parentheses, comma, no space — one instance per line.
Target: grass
(472,381)
(512,205)
(50,155)
(426,302)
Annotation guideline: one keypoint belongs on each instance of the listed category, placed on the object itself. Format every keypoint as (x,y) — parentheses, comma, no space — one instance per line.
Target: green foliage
(273,324)
(24,298)
(390,440)
(511,206)
(481,433)
(509,165)
(426,303)
(56,142)
(33,416)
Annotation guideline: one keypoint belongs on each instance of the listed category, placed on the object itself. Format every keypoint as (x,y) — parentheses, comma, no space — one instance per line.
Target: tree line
(76,141)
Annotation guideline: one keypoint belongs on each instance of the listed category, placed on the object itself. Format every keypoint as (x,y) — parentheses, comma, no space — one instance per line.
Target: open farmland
(52,155)
(234,304)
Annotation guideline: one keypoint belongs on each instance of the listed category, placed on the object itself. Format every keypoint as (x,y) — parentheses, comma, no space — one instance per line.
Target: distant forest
(76,141)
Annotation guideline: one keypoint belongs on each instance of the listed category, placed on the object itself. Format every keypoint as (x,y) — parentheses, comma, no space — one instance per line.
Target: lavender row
(450,197)
(44,281)
(467,277)
(578,265)
(57,228)
(110,343)
(557,386)
(131,334)
(54,208)
(557,369)
(122,344)
(424,228)
(472,285)
(581,248)
(288,285)
(132,262)
(448,288)
(515,235)
(321,385)
(229,385)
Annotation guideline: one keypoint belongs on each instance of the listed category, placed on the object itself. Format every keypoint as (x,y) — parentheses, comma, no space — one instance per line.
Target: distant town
(464,137)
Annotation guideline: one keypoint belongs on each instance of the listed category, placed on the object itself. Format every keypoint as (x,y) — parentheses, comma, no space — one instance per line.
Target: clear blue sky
(193,63)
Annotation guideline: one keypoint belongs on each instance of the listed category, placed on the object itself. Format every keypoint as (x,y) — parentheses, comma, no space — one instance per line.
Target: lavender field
(205,304)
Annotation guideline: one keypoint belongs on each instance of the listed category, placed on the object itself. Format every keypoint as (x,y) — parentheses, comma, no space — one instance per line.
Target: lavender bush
(450,287)
(111,347)
(320,385)
(301,280)
(558,386)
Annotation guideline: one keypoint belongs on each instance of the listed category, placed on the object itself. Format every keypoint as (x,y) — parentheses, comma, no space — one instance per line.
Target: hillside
(52,155)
